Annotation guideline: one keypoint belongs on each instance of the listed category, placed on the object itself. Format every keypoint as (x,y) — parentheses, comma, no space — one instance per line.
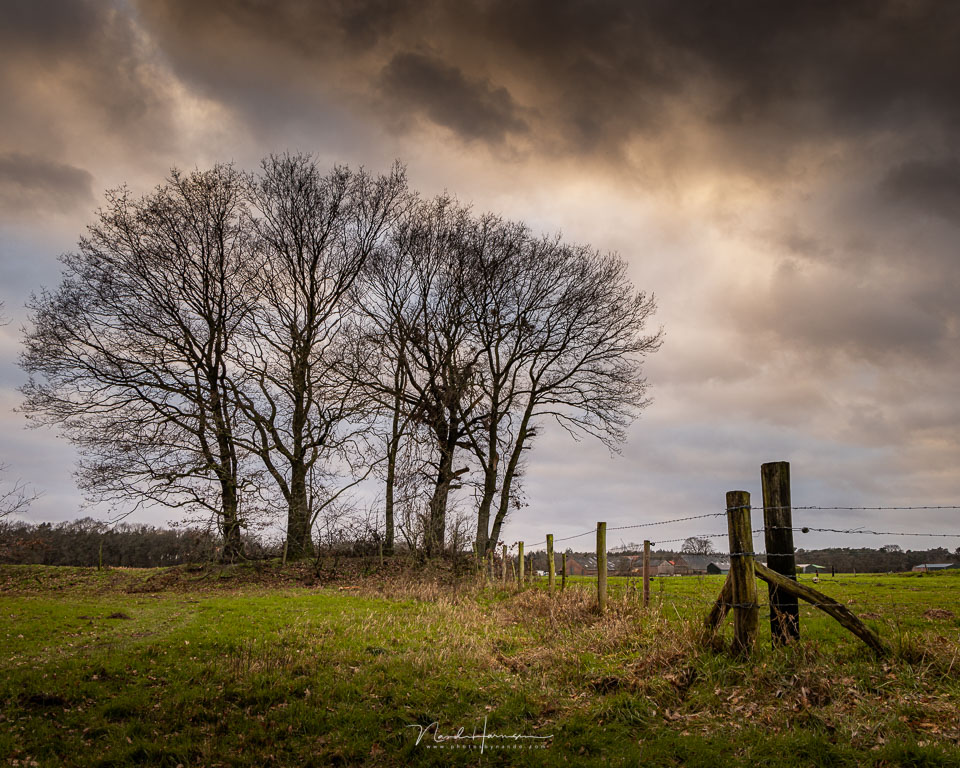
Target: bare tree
(563,336)
(315,232)
(417,312)
(129,355)
(697,546)
(482,331)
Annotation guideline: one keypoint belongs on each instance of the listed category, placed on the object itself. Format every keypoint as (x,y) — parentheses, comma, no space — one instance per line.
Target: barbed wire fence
(775,563)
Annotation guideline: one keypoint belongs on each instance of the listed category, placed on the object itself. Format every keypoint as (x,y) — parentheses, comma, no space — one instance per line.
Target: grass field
(244,666)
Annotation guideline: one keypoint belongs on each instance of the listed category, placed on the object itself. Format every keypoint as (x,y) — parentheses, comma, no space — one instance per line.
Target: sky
(783,177)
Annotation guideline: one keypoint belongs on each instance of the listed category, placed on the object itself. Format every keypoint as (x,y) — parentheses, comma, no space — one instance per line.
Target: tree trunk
(388,502)
(392,449)
(485,543)
(510,473)
(299,540)
(225,462)
(437,521)
(232,543)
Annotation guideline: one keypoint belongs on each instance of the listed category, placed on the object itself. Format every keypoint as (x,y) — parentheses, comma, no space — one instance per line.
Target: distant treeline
(843,560)
(865,560)
(89,542)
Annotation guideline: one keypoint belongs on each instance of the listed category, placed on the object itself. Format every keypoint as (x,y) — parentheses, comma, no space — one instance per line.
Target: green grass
(205,673)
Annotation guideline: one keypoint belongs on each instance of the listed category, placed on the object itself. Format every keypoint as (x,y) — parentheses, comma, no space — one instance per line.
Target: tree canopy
(257,344)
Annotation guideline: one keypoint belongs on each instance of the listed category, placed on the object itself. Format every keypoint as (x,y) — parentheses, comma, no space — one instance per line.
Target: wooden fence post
(520,565)
(778,538)
(563,575)
(646,573)
(551,576)
(601,567)
(746,612)
(503,555)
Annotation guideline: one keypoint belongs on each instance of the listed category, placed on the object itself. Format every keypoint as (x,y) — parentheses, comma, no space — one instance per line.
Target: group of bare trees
(250,343)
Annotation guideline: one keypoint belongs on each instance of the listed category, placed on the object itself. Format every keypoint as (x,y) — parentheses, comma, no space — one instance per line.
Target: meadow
(263,666)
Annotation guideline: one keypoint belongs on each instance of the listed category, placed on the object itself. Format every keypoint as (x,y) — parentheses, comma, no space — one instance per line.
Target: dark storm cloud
(761,75)
(29,182)
(473,109)
(931,187)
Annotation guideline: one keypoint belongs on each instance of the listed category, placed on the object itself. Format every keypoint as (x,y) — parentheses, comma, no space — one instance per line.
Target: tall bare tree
(417,312)
(129,355)
(315,233)
(563,336)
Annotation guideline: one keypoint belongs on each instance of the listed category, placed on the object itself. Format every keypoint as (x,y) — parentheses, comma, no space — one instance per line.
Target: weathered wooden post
(551,576)
(778,538)
(503,555)
(563,574)
(520,565)
(746,612)
(601,567)
(646,573)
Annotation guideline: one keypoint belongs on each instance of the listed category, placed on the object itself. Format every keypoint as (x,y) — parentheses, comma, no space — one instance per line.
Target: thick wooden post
(503,555)
(601,567)
(520,565)
(746,612)
(778,538)
(551,576)
(646,573)
(563,575)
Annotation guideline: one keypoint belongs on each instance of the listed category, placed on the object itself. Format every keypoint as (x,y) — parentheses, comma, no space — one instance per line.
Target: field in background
(246,666)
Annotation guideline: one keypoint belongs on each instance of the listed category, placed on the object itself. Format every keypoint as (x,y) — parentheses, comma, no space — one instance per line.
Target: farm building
(936,566)
(693,564)
(810,568)
(666,568)
(586,565)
